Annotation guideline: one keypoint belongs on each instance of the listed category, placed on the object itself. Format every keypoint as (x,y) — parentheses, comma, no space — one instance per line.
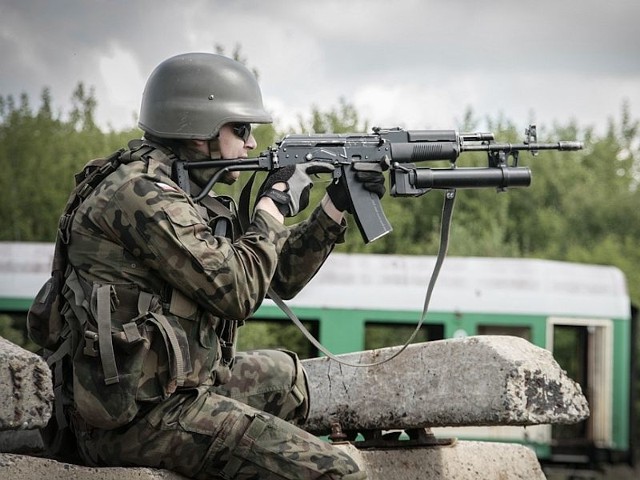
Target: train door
(584,348)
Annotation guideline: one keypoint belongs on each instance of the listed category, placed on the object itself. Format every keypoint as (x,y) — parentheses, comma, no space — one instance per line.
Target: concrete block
(473,381)
(462,461)
(22,467)
(26,392)
(21,441)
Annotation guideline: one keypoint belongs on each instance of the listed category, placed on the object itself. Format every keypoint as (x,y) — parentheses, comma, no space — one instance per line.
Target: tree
(341,119)
(39,155)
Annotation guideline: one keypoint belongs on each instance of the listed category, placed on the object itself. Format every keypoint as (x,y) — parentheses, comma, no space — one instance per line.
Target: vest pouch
(104,390)
(119,362)
(168,363)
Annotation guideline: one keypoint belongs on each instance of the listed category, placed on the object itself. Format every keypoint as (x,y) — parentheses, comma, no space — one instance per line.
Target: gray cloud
(401,61)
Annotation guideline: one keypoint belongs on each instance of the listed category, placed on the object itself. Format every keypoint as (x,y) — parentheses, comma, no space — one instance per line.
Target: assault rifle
(398,150)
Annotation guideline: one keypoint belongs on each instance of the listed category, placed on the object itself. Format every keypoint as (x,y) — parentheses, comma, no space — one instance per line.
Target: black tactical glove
(296,197)
(371,177)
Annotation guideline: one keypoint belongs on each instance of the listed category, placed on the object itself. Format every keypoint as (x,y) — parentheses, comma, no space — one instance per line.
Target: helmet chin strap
(215,154)
(214,148)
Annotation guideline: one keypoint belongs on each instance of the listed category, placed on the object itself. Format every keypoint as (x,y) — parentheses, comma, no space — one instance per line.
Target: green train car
(582,313)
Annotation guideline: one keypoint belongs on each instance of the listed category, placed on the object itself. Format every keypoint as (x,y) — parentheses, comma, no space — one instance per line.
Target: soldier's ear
(198,145)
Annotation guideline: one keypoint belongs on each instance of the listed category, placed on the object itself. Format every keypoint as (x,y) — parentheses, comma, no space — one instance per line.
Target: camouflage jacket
(141,236)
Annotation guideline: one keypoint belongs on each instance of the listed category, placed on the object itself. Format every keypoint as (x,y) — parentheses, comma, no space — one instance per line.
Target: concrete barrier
(26,392)
(22,467)
(473,381)
(461,461)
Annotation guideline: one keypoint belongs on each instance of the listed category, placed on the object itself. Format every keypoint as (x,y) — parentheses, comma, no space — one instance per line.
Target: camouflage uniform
(157,297)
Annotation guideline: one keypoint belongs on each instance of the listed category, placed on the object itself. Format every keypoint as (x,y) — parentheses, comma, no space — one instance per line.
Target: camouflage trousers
(239,430)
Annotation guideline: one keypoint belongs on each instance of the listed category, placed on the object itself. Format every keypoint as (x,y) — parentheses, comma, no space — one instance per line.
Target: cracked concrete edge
(26,391)
(474,381)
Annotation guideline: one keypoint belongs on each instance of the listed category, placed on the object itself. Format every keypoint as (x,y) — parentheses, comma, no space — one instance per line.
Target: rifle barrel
(532,147)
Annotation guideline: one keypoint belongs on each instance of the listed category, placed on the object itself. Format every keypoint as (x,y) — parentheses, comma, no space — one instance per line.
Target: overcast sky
(416,64)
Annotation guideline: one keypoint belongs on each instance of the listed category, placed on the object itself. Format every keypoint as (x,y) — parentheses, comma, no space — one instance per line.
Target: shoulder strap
(225,221)
(159,158)
(92,175)
(86,181)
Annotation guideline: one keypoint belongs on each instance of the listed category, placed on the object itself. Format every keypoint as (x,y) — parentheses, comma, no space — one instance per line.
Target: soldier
(158,286)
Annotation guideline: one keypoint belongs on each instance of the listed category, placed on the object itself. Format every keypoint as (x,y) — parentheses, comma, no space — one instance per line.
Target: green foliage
(13,328)
(9,332)
(39,154)
(341,119)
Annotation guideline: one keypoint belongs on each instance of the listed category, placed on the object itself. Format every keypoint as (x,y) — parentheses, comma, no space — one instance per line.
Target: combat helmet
(190,96)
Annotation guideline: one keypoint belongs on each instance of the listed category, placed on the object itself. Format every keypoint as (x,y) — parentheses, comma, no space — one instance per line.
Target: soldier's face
(232,145)
(229,144)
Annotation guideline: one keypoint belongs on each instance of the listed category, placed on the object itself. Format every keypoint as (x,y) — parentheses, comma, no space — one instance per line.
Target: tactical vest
(113,347)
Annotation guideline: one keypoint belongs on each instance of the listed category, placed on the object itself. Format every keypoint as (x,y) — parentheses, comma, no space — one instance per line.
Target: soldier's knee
(279,386)
(295,406)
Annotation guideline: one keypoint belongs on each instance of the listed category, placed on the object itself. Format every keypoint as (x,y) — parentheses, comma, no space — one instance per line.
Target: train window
(570,351)
(259,333)
(514,331)
(584,348)
(380,335)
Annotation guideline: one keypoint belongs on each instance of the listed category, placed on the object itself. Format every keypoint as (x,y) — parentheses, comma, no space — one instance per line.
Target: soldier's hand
(295,197)
(367,173)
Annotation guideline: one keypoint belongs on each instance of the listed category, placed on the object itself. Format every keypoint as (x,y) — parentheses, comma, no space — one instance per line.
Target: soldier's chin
(229,178)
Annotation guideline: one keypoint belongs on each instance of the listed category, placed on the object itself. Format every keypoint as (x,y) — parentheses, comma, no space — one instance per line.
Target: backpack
(46,325)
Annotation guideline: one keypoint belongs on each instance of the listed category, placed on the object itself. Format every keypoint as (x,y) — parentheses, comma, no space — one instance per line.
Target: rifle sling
(447,213)
(244,217)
